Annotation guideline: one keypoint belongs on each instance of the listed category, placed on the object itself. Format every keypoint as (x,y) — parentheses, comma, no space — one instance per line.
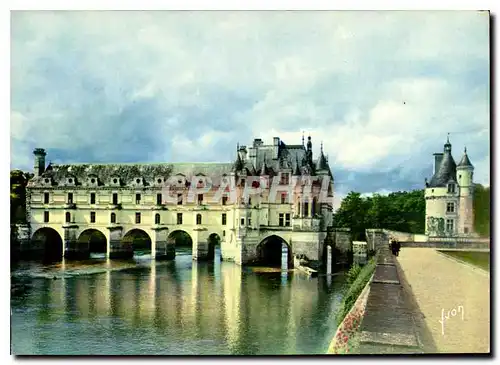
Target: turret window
(450,208)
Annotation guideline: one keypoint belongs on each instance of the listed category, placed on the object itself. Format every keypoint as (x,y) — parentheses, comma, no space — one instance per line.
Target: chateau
(271,194)
(449,196)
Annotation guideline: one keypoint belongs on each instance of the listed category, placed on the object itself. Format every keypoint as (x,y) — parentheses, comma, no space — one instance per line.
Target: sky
(380,90)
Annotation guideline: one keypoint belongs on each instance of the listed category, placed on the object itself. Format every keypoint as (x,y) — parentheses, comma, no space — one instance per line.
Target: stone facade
(274,191)
(449,196)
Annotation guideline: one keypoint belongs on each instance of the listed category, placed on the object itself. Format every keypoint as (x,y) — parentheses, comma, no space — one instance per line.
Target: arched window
(68,217)
(157,218)
(198,218)
(113,218)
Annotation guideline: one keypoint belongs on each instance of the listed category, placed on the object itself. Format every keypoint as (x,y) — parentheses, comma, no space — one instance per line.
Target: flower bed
(346,337)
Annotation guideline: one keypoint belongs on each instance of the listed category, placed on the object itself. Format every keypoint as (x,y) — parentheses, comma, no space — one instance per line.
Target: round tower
(465,171)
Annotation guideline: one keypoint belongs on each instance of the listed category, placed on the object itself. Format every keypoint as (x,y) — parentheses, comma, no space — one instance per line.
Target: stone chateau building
(449,196)
(67,204)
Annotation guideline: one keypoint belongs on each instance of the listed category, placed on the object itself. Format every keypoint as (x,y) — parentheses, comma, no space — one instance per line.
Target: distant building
(449,196)
(67,202)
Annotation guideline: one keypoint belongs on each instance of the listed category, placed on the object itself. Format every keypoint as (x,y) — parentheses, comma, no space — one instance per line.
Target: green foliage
(354,289)
(400,211)
(18,182)
(482,210)
(353,273)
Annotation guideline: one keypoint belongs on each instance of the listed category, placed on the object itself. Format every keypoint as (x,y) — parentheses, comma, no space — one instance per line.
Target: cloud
(380,89)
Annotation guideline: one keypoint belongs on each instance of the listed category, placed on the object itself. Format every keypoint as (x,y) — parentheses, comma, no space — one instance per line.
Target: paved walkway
(440,285)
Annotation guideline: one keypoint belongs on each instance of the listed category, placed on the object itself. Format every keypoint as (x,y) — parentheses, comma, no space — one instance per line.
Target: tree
(400,211)
(18,182)
(482,210)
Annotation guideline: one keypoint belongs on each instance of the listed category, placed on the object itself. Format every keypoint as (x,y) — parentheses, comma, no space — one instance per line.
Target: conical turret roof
(447,171)
(465,162)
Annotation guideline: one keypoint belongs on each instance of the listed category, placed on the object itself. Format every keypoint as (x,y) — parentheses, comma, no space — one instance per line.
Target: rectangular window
(224,219)
(70,198)
(137,218)
(287,220)
(451,188)
(179,199)
(113,218)
(224,200)
(450,207)
(200,199)
(45,198)
(198,218)
(92,198)
(68,217)
(223,233)
(115,198)
(449,225)
(249,221)
(282,220)
(46,217)
(157,218)
(179,218)
(158,199)
(92,217)
(137,198)
(466,229)
(249,201)
(284,199)
(242,222)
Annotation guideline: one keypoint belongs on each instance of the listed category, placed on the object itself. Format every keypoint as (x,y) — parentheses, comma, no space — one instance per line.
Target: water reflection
(177,307)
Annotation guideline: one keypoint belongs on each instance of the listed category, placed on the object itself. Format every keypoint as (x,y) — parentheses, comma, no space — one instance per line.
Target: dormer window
(451,188)
(139,181)
(70,180)
(115,181)
(92,180)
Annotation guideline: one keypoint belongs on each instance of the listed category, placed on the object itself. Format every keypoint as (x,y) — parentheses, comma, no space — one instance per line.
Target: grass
(478,259)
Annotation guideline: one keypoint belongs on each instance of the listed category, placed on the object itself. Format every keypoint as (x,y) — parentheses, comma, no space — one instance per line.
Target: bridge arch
(137,240)
(93,241)
(213,241)
(271,249)
(50,242)
(181,240)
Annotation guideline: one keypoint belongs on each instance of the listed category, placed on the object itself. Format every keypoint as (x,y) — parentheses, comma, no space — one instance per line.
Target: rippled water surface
(180,307)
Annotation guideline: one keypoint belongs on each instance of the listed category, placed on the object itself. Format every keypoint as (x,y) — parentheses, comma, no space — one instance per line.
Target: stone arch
(180,239)
(213,240)
(50,242)
(270,251)
(136,240)
(93,241)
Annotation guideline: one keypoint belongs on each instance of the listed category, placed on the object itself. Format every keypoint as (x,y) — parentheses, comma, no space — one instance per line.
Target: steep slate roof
(128,172)
(447,171)
(465,162)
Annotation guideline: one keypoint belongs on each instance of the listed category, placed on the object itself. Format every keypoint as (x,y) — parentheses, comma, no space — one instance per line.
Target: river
(179,307)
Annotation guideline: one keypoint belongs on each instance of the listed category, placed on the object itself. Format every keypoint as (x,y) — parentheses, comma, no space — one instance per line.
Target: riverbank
(351,310)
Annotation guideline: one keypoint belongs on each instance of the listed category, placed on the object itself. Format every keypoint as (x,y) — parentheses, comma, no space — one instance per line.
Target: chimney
(438,157)
(257,142)
(276,142)
(39,166)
